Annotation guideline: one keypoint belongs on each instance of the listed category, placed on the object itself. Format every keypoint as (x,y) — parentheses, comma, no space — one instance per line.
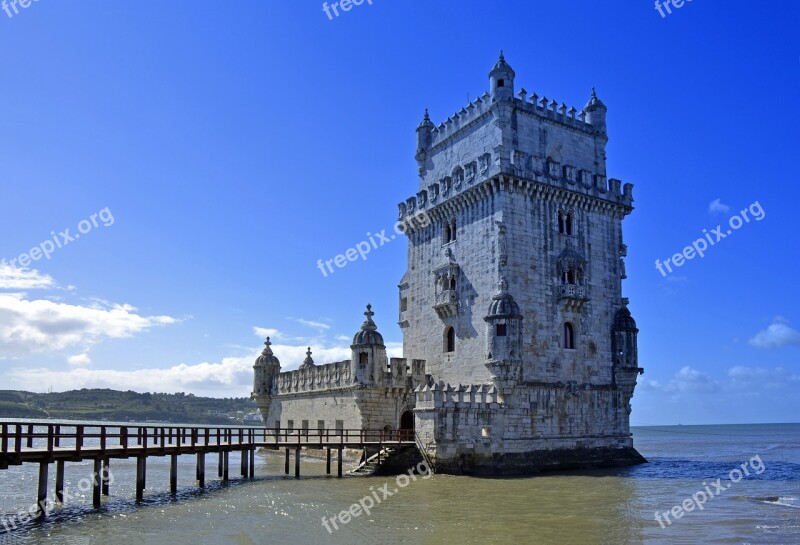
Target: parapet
(329,376)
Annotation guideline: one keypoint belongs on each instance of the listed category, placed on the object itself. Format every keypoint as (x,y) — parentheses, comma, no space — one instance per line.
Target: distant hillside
(124,406)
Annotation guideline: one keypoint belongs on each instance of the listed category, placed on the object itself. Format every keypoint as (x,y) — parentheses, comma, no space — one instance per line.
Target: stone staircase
(369,466)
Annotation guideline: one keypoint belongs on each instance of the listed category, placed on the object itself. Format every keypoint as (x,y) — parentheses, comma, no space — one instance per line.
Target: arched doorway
(407,423)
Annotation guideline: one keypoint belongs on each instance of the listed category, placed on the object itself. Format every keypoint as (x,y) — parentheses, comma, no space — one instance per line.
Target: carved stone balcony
(573,295)
(446,304)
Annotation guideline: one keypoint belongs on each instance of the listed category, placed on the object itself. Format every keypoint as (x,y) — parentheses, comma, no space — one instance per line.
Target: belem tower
(519,349)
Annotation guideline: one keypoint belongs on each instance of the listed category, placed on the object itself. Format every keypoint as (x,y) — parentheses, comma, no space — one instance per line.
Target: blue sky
(235,144)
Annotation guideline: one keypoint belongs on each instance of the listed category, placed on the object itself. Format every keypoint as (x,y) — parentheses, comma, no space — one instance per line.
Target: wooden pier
(46,443)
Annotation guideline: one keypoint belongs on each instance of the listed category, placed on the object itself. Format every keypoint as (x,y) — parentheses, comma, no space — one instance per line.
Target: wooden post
(96,484)
(5,439)
(286,468)
(219,465)
(297,463)
(328,464)
(226,459)
(123,438)
(173,474)
(106,475)
(253,463)
(41,497)
(339,462)
(243,464)
(60,481)
(141,469)
(30,435)
(201,469)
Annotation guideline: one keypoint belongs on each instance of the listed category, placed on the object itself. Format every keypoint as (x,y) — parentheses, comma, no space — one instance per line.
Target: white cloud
(13,278)
(685,380)
(777,335)
(38,325)
(233,376)
(79,359)
(265,332)
(717,207)
(309,323)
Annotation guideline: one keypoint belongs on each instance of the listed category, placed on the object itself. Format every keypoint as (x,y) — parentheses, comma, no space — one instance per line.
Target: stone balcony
(573,295)
(446,304)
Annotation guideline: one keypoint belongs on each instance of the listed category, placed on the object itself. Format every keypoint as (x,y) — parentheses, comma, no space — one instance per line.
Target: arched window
(447,234)
(569,336)
(568,227)
(452,282)
(560,221)
(453,229)
(449,340)
(363,358)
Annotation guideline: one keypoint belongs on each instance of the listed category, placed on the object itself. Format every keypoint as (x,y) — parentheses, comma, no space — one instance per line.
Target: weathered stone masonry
(520,352)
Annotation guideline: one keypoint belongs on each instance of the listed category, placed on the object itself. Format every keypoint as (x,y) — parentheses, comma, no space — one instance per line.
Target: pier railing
(61,442)
(19,440)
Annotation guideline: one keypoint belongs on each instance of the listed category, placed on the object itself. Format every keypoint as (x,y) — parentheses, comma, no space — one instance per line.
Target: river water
(590,507)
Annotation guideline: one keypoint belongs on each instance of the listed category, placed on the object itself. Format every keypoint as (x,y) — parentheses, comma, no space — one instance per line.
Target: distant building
(520,351)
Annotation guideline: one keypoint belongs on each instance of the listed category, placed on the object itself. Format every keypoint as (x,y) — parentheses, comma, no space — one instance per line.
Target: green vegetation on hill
(114,405)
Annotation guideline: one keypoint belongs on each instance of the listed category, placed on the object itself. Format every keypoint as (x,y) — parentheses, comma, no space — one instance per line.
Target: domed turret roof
(623,321)
(503,305)
(308,362)
(267,358)
(594,103)
(501,66)
(368,335)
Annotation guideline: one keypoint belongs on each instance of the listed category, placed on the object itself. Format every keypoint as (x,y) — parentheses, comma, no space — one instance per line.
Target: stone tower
(513,293)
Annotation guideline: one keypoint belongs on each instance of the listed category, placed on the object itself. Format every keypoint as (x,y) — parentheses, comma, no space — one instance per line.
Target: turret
(368,356)
(265,370)
(504,337)
(424,137)
(501,80)
(595,112)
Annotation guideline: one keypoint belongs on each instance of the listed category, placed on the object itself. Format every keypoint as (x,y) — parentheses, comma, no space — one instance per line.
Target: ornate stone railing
(573,291)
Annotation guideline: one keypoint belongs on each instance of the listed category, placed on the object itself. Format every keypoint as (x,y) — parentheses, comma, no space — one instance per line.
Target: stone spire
(308,362)
(368,335)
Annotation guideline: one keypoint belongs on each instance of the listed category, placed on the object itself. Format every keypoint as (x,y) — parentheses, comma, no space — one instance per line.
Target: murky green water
(613,507)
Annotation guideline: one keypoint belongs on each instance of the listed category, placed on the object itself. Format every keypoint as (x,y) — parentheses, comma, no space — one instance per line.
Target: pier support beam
(286,468)
(328,464)
(221,460)
(201,469)
(225,464)
(252,463)
(60,481)
(243,464)
(297,463)
(41,496)
(173,474)
(339,462)
(106,476)
(141,469)
(97,477)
